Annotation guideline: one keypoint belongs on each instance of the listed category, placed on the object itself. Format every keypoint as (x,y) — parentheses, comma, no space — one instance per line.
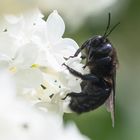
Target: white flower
(18,48)
(53,44)
(33,50)
(19,121)
(22,27)
(58,81)
(19,62)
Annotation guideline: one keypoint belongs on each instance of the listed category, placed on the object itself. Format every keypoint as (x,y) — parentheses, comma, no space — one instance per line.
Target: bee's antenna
(111,29)
(108,24)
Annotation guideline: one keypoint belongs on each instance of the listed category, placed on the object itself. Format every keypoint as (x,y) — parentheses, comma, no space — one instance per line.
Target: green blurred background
(126,39)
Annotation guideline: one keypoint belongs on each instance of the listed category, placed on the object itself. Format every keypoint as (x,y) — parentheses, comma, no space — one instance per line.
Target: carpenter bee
(97,87)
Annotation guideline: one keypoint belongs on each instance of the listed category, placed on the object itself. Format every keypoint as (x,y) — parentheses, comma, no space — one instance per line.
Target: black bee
(98,86)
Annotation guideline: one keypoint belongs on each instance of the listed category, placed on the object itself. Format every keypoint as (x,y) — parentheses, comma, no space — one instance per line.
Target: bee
(97,87)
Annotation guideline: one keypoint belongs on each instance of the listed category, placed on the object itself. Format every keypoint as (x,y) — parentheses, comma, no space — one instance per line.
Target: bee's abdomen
(84,102)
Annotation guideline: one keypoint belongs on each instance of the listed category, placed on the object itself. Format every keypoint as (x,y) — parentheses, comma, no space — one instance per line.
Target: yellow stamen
(35,66)
(13,69)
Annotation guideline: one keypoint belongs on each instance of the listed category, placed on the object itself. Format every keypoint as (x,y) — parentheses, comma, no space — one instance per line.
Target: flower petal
(28,78)
(66,47)
(4,61)
(26,55)
(11,19)
(55,27)
(7,45)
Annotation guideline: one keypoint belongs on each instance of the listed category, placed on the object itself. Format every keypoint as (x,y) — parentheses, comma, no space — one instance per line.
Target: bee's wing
(110,102)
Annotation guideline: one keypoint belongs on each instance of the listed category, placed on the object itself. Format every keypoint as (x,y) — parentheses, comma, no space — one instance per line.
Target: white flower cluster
(33,50)
(19,121)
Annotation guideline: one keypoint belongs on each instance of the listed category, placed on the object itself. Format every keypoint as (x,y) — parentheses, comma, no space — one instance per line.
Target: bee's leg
(83,56)
(74,72)
(75,55)
(74,94)
(83,84)
(91,77)
(77,52)
(87,77)
(87,64)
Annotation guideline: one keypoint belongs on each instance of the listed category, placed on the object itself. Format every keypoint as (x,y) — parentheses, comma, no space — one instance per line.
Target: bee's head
(97,41)
(98,46)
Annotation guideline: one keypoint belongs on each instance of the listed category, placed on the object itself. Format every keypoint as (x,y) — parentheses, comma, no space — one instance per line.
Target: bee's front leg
(87,77)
